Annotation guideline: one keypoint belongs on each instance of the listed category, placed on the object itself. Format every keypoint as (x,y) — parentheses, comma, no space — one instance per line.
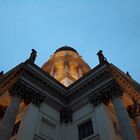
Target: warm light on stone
(66,66)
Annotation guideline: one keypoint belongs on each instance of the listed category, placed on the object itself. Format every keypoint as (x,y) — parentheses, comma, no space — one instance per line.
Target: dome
(66,48)
(66,65)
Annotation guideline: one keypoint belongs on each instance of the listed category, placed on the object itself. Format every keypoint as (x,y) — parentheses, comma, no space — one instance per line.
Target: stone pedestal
(126,129)
(28,123)
(104,123)
(8,121)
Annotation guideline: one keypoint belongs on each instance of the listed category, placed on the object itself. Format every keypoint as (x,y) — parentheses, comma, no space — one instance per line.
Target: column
(8,121)
(52,71)
(80,72)
(104,123)
(134,113)
(126,129)
(28,124)
(94,124)
(137,122)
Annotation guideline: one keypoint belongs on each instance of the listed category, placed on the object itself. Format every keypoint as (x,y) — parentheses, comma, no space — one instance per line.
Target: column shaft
(8,121)
(104,123)
(28,123)
(137,122)
(126,129)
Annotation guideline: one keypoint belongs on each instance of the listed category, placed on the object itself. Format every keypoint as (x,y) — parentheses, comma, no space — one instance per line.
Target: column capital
(27,94)
(106,94)
(134,110)
(17,90)
(66,116)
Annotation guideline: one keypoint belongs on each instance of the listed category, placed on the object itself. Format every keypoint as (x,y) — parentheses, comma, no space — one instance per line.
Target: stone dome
(66,48)
(66,65)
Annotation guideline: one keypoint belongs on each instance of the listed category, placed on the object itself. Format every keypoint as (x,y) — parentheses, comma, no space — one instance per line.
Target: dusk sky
(86,25)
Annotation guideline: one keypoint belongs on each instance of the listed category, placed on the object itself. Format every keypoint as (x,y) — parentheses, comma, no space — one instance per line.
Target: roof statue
(33,56)
(128,74)
(101,57)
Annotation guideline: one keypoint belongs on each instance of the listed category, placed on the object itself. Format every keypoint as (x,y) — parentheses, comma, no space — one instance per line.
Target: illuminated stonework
(66,65)
(35,106)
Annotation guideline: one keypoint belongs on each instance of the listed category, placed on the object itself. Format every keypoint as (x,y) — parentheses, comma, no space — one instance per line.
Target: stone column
(104,123)
(80,72)
(8,121)
(134,113)
(94,123)
(137,122)
(113,92)
(126,128)
(52,71)
(28,123)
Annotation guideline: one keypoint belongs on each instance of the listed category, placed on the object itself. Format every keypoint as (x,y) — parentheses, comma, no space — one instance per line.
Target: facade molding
(106,94)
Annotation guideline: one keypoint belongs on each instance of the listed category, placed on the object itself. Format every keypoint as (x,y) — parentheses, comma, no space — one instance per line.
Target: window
(85,130)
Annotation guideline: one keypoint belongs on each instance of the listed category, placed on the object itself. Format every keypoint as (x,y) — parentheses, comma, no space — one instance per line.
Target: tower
(66,65)
(67,100)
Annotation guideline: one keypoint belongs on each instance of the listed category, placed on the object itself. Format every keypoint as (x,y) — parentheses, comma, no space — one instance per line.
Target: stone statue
(33,56)
(101,57)
(127,73)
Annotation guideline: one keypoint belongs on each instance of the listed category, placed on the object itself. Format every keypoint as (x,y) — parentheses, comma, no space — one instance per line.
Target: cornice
(94,75)
(125,82)
(43,77)
(106,93)
(37,79)
(11,78)
(27,94)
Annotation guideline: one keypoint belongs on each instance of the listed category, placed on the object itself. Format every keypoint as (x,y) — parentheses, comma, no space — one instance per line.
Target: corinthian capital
(134,110)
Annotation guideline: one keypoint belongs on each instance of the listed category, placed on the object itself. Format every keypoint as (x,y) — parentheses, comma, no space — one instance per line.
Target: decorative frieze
(104,95)
(66,116)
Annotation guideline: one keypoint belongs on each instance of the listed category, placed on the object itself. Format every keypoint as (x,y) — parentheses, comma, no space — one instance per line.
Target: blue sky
(86,25)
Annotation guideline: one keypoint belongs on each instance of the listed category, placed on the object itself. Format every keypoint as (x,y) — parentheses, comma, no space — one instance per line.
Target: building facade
(67,100)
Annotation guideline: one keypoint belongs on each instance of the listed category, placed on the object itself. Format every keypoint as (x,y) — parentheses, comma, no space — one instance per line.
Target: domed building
(66,65)
(65,99)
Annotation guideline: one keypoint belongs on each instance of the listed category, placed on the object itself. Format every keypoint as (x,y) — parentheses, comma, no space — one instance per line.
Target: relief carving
(134,109)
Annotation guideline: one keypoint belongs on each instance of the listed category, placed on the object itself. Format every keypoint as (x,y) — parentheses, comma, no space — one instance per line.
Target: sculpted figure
(128,74)
(101,57)
(33,56)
